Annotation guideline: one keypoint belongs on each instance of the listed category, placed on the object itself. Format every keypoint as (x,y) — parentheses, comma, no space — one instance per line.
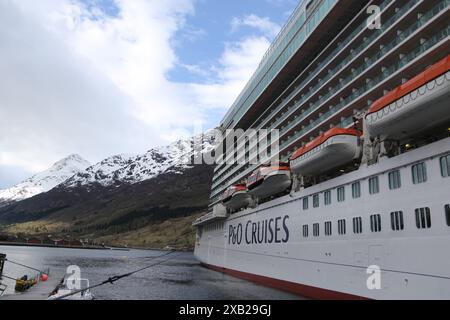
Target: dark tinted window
(305,204)
(374,185)
(395,181)
(397,222)
(305,231)
(419,173)
(375,223)
(445,166)
(357,225)
(341,194)
(342,227)
(316,201)
(328,228)
(447,214)
(356,190)
(423,218)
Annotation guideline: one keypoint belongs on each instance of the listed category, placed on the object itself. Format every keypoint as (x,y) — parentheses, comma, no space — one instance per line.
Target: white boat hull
(238,201)
(266,244)
(274,184)
(423,109)
(335,152)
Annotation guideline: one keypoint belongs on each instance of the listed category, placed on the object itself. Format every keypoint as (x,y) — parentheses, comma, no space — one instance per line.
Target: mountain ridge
(44,181)
(123,194)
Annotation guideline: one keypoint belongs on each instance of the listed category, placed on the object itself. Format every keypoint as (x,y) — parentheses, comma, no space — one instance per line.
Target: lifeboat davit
(331,150)
(269,180)
(420,104)
(236,197)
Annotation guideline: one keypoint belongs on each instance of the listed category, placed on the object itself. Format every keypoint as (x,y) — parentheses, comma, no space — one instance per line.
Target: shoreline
(18,244)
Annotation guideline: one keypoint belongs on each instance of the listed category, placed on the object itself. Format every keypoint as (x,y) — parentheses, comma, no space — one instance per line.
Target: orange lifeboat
(416,106)
(331,150)
(269,180)
(236,197)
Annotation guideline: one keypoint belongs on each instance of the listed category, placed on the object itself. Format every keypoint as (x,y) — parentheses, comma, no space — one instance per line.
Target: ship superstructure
(362,115)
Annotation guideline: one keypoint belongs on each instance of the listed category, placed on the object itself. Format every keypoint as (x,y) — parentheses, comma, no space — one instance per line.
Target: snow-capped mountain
(74,171)
(130,169)
(119,195)
(44,181)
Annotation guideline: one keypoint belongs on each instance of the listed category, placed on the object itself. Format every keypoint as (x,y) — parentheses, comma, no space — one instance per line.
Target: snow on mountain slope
(74,171)
(134,169)
(44,181)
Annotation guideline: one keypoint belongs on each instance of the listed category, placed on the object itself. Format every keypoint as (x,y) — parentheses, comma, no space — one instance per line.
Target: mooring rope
(25,266)
(114,279)
(10,278)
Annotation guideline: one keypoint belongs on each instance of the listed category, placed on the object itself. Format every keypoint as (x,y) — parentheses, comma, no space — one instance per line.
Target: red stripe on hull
(292,287)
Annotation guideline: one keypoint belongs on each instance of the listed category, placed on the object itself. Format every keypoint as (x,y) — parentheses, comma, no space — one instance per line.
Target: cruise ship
(349,198)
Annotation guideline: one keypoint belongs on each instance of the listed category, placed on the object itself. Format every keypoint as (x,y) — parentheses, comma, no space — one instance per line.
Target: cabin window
(341,194)
(327,198)
(305,203)
(397,222)
(419,173)
(395,180)
(374,185)
(316,230)
(316,201)
(356,190)
(447,214)
(375,223)
(357,225)
(305,231)
(342,227)
(445,166)
(328,228)
(423,218)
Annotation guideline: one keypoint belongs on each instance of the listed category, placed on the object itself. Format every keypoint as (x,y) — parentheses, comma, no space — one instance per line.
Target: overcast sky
(105,77)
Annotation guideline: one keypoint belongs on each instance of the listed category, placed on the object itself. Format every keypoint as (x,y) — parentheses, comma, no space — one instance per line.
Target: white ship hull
(267,244)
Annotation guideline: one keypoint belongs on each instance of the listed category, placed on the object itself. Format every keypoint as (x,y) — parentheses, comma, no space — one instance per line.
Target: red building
(34,241)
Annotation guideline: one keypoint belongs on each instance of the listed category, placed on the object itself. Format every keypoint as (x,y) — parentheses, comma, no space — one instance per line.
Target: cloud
(237,64)
(77,78)
(52,102)
(265,25)
(10,175)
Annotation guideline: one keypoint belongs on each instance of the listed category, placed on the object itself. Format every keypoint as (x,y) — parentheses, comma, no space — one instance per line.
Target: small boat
(418,105)
(269,180)
(78,294)
(333,149)
(236,197)
(25,283)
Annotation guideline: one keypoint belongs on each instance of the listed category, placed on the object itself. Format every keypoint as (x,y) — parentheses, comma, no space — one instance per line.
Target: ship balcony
(416,58)
(348,47)
(438,10)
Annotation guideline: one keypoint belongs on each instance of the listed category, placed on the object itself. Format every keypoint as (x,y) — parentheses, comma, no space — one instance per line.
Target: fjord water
(181,278)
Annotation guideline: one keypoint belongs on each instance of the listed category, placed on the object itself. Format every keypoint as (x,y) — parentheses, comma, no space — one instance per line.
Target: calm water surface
(179,279)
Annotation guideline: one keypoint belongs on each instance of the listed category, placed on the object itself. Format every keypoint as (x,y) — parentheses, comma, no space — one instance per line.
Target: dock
(40,291)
